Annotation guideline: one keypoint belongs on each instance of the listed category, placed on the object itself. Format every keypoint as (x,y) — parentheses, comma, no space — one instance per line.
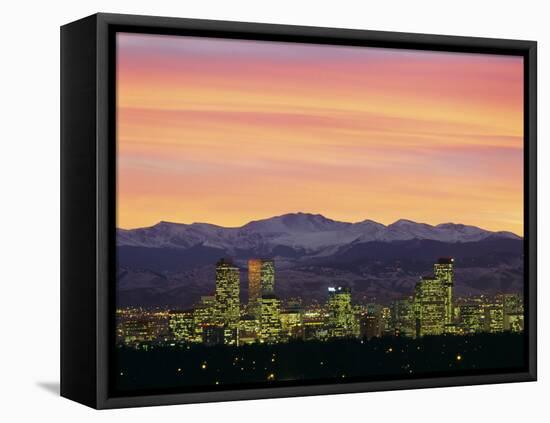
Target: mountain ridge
(307,231)
(171,263)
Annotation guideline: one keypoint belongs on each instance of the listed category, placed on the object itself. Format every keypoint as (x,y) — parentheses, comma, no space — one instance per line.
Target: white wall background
(29,235)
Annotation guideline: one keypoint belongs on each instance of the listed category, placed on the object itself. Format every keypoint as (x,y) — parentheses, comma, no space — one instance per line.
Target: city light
(431,309)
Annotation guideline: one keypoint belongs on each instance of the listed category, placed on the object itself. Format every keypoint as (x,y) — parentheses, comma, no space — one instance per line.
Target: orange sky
(228,131)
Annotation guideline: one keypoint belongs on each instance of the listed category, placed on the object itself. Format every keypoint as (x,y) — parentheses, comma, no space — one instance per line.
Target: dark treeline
(219,367)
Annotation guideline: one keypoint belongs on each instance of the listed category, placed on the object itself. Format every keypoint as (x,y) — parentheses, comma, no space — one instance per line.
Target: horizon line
(323,216)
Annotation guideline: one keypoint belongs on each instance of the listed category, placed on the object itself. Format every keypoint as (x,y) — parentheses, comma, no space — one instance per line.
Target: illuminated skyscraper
(270,322)
(254,281)
(341,320)
(430,306)
(181,325)
(444,271)
(471,318)
(204,315)
(261,280)
(227,299)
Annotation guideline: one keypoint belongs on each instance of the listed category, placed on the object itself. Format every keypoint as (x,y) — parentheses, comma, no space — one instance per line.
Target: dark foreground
(201,368)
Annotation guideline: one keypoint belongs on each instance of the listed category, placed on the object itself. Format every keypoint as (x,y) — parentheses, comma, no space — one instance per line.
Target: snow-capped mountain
(172,263)
(311,233)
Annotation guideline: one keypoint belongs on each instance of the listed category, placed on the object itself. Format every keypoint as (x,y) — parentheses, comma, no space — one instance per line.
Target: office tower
(204,315)
(268,277)
(291,324)
(181,326)
(261,281)
(430,306)
(493,317)
(444,272)
(227,299)
(254,281)
(402,317)
(270,323)
(341,320)
(513,312)
(386,321)
(261,278)
(471,318)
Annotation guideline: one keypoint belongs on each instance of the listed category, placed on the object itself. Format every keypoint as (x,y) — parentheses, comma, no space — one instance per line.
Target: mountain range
(173,263)
(308,232)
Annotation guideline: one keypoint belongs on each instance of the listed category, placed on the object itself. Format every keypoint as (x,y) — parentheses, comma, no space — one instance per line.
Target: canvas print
(297,214)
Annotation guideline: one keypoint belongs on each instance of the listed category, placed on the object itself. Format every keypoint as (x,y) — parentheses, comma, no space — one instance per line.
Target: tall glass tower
(261,281)
(444,272)
(227,298)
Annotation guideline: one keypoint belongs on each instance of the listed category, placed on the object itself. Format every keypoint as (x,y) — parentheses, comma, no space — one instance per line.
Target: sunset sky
(228,131)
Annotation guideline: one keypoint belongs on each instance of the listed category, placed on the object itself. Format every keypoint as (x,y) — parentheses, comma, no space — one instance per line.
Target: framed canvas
(257,211)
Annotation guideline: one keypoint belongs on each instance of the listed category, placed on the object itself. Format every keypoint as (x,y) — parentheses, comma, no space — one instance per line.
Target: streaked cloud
(228,131)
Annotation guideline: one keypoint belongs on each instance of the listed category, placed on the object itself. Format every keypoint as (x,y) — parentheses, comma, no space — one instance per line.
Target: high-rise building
(181,325)
(444,272)
(402,317)
(204,315)
(291,324)
(268,277)
(254,281)
(430,306)
(270,322)
(471,318)
(493,317)
(261,281)
(341,322)
(227,299)
(261,278)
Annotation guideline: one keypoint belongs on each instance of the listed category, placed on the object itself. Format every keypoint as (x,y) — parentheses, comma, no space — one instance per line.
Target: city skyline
(229,131)
(222,319)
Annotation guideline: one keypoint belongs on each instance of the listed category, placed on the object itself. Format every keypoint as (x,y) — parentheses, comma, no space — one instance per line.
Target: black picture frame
(88,154)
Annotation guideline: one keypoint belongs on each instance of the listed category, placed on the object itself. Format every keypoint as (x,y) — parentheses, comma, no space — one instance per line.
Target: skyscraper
(261,278)
(430,306)
(181,325)
(270,322)
(204,315)
(471,317)
(261,281)
(493,317)
(402,317)
(341,320)
(268,277)
(227,299)
(444,271)
(254,281)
